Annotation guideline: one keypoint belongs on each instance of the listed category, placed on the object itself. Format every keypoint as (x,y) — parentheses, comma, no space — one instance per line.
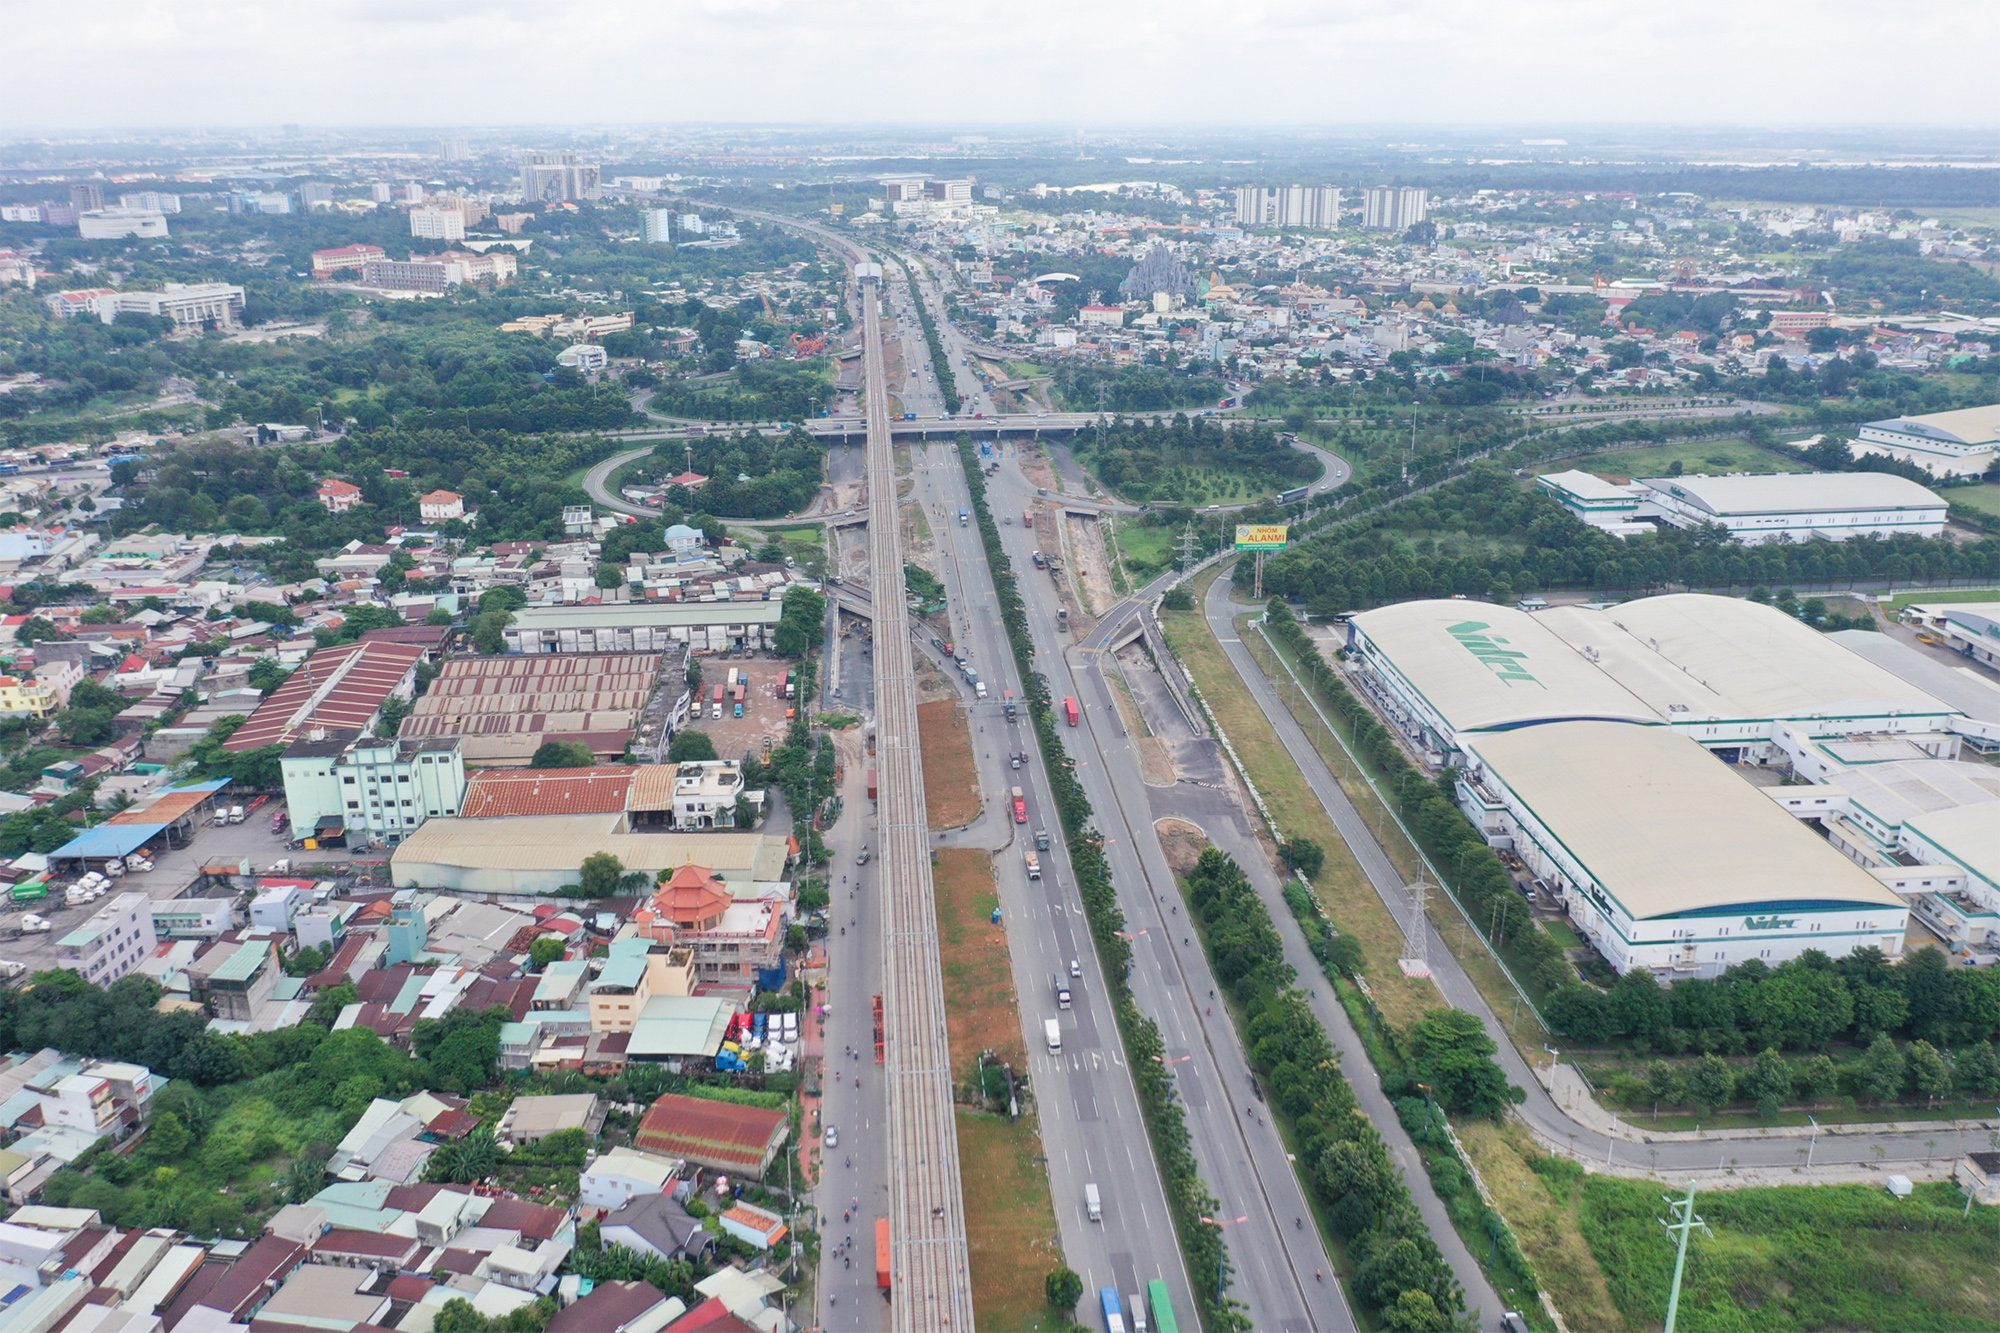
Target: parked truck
(1062,617)
(1020,806)
(1039,562)
(1071,711)
(882,1255)
(871,784)
(1034,866)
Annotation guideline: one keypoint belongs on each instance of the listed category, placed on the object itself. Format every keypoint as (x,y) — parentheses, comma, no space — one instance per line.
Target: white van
(1052,1031)
(1093,1207)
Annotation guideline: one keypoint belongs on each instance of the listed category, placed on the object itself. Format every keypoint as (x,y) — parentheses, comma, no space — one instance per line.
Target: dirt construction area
(763,710)
(978,979)
(951,782)
(1090,563)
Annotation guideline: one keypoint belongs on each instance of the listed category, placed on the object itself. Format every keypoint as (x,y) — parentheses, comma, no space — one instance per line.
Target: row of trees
(1884,1073)
(1399,1271)
(1804,1004)
(1162,460)
(1484,534)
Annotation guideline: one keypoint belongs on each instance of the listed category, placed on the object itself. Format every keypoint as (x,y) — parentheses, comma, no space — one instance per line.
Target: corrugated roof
(1664,827)
(496,793)
(336,688)
(720,1133)
(681,1026)
(107,840)
(173,805)
(1797,492)
(653,787)
(560,842)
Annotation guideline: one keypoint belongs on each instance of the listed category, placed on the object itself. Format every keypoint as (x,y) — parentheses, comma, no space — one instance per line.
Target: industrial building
(1961,443)
(346,783)
(541,854)
(501,709)
(336,689)
(1600,503)
(1796,506)
(1664,858)
(1580,732)
(642,627)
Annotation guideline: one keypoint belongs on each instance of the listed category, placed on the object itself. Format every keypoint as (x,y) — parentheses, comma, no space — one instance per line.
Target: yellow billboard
(1261,536)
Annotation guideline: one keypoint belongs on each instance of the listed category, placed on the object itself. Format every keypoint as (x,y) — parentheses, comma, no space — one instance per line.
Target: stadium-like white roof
(1664,828)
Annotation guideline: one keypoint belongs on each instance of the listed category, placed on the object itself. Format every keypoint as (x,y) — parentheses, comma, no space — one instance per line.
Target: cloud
(361,62)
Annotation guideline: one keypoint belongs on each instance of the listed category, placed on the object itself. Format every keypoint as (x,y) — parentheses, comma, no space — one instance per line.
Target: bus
(1163,1307)
(1114,1316)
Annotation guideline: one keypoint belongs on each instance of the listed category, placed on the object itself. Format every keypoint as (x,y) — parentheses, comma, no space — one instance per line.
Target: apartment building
(437,224)
(1394,208)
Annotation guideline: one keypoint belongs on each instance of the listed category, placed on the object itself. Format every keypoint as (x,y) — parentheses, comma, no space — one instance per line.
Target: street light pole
(1812,1142)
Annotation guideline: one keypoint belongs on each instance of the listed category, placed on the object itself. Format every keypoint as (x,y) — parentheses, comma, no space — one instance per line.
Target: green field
(1145,550)
(1801,1257)
(1903,599)
(1694,456)
(1985,498)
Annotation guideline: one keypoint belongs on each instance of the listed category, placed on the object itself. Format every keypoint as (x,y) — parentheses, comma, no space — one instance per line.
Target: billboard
(1260,536)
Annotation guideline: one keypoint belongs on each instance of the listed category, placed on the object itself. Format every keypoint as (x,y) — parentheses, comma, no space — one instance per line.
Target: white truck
(1034,865)
(1093,1206)
(1052,1033)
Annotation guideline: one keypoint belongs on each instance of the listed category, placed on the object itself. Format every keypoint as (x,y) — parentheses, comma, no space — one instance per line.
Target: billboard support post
(1260,539)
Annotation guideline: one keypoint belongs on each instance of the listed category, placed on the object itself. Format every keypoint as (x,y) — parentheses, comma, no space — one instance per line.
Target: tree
(1454,1056)
(1639,1007)
(544,951)
(89,694)
(1979,1069)
(1818,1078)
(1710,1084)
(439,616)
(1928,1074)
(1305,856)
(489,631)
(1581,1013)
(562,754)
(1769,1082)
(690,746)
(1063,1288)
(600,874)
(86,726)
(1415,1312)
(1663,1084)
(1883,1070)
(610,576)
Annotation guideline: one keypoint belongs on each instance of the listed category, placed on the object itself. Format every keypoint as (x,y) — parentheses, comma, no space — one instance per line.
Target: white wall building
(1961,443)
(1394,208)
(1308,207)
(382,788)
(1797,506)
(623,1174)
(1598,502)
(643,627)
(656,226)
(111,224)
(116,938)
(437,224)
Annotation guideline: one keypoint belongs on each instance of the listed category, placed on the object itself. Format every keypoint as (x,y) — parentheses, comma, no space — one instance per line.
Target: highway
(931,1270)
(1091,1124)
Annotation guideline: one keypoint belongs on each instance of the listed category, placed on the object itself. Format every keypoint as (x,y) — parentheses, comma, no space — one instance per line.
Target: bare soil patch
(1183,842)
(951,782)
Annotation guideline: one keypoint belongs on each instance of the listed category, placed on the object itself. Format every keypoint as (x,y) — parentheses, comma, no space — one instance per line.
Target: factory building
(1796,506)
(1961,443)
(1665,859)
(1580,735)
(644,627)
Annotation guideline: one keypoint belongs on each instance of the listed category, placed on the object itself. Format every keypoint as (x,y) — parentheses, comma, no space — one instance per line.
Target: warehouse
(1665,859)
(1796,506)
(1961,443)
(540,854)
(638,627)
(502,709)
(342,688)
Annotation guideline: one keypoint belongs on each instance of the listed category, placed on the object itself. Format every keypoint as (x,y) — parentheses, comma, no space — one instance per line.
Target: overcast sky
(168,63)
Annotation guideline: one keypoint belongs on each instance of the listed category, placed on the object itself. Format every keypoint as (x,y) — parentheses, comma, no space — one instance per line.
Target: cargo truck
(1007,702)
(1070,710)
(1027,518)
(1062,991)
(1020,807)
(871,784)
(1041,840)
(1034,866)
(1052,1034)
(882,1254)
(1039,562)
(1093,1206)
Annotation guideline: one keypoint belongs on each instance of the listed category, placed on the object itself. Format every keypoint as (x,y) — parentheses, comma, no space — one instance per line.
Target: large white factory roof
(1965,688)
(1969,836)
(1664,828)
(1692,656)
(1481,667)
(1965,425)
(1797,493)
(1901,792)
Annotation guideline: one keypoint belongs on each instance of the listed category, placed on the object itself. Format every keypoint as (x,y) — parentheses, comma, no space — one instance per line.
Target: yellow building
(19,697)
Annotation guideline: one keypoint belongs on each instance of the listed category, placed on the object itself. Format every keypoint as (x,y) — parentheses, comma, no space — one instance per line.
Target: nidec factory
(1596,743)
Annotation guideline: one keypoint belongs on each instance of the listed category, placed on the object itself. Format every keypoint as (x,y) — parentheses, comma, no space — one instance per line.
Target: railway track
(930,1272)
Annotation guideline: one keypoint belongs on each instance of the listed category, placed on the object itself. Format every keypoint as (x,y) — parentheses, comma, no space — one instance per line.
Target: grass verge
(1801,1257)
(951,782)
(1010,1223)
(1542,1199)
(1343,889)
(1694,456)
(979,1002)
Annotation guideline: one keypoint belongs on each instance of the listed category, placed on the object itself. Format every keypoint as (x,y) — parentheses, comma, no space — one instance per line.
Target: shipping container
(1070,710)
(871,784)
(882,1253)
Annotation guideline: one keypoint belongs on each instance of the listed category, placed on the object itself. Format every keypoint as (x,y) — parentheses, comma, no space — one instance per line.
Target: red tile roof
(351,682)
(494,793)
(719,1134)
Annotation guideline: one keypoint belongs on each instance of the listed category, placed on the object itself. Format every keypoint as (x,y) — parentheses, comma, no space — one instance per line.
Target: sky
(137,64)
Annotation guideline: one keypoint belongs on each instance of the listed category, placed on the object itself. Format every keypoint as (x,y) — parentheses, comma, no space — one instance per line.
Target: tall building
(316,194)
(454,150)
(550,177)
(86,196)
(151,200)
(1394,207)
(656,226)
(951,192)
(1307,207)
(437,224)
(381,192)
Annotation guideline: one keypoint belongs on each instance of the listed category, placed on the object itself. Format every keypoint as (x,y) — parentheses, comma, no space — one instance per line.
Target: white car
(832,1137)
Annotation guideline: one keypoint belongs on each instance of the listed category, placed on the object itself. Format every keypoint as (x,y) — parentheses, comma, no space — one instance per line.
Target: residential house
(339,496)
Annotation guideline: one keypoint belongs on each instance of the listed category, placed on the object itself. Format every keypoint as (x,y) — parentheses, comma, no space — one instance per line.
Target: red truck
(1028,519)
(1020,807)
(882,1253)
(871,784)
(1070,710)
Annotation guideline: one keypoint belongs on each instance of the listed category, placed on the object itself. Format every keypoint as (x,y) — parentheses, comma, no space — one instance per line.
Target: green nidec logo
(1769,923)
(1504,662)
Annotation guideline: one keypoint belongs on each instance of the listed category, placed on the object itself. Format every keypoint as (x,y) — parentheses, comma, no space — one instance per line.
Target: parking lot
(763,713)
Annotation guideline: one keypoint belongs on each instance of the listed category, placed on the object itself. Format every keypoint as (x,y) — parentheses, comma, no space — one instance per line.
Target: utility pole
(1685,1221)
(1187,545)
